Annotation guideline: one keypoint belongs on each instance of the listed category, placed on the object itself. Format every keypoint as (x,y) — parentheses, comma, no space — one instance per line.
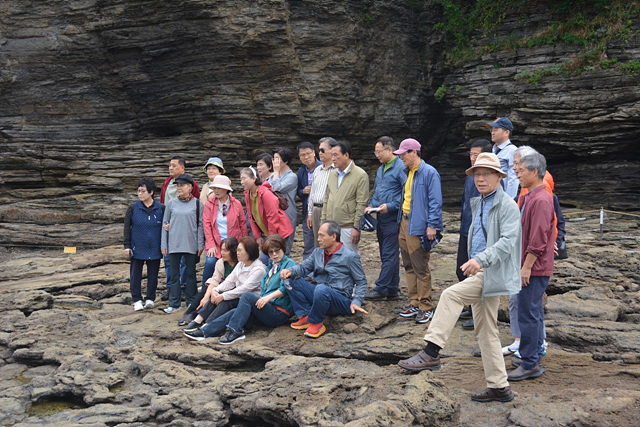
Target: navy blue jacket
(303,181)
(470,191)
(143,229)
(389,186)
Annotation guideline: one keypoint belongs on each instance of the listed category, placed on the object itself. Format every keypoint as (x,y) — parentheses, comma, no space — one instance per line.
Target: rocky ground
(73,351)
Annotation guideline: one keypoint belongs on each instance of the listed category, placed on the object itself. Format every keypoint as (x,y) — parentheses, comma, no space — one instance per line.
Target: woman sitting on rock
(223,217)
(245,277)
(265,215)
(271,308)
(186,239)
(224,267)
(142,235)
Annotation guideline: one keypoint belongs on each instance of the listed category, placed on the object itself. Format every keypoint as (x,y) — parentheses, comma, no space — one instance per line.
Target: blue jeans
(316,301)
(209,268)
(175,292)
(531,320)
(153,266)
(167,271)
(389,280)
(307,237)
(238,317)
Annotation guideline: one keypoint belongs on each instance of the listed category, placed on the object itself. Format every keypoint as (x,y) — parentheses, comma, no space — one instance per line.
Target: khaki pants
(316,212)
(416,265)
(485,318)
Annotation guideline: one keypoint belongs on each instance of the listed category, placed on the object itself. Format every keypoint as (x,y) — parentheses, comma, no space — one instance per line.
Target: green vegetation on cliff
(473,28)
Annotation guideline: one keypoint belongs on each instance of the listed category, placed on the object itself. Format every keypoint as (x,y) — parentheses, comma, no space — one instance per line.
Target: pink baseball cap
(406,145)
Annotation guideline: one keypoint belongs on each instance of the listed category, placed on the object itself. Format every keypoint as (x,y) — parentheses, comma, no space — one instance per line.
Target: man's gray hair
(535,161)
(524,150)
(326,139)
(332,228)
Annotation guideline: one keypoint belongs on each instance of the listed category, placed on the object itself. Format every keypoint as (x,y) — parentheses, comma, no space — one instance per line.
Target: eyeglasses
(377,152)
(321,150)
(274,251)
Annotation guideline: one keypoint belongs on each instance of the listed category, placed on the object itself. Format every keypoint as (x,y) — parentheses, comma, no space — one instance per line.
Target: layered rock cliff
(97,94)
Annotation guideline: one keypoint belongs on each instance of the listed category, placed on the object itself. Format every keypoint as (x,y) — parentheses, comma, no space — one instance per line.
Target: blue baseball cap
(501,122)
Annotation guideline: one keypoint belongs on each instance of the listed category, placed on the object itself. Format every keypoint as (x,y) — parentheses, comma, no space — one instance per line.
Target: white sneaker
(137,306)
(511,348)
(149,304)
(170,310)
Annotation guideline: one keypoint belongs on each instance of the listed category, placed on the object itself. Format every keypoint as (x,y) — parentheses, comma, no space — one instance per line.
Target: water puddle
(54,406)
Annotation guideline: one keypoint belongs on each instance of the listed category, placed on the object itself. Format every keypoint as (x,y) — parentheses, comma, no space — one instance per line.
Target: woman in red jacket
(265,216)
(223,217)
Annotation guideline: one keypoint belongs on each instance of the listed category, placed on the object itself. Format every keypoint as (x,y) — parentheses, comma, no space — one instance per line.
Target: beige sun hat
(221,181)
(487,160)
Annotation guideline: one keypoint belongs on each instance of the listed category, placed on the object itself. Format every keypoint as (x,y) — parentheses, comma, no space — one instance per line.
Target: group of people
(249,275)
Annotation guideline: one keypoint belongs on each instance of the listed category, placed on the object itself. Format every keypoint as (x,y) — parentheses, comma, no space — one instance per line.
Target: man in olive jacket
(347,195)
(493,269)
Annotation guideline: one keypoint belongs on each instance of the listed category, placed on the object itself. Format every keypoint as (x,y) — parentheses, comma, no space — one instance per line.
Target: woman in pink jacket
(265,216)
(223,217)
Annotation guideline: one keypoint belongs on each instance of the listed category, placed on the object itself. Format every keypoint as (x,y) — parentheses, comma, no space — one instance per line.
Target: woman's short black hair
(251,246)
(266,158)
(274,241)
(232,246)
(285,154)
(149,184)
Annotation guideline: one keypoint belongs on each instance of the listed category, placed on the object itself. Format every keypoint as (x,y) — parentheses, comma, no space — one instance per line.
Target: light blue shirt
(341,174)
(505,152)
(478,240)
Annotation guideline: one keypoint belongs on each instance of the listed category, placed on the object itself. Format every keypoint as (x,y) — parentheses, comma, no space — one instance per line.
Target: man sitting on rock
(341,286)
(493,270)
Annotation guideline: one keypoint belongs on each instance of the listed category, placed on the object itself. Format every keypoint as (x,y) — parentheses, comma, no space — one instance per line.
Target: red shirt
(537,218)
(327,255)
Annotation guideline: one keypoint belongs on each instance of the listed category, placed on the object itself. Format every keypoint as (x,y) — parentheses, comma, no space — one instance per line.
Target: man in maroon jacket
(537,264)
(177,166)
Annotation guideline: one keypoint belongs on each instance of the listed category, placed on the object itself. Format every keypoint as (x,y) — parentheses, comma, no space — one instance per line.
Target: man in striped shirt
(319,186)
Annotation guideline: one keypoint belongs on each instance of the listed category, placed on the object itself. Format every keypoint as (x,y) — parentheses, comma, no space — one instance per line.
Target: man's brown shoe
(490,394)
(420,362)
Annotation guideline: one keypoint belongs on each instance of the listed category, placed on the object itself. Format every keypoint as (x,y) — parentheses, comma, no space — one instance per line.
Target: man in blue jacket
(386,200)
(341,286)
(307,156)
(493,269)
(420,215)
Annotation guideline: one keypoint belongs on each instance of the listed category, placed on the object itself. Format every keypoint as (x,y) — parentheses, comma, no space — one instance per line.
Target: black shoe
(466,314)
(192,326)
(424,317)
(187,318)
(165,296)
(394,297)
(197,335)
(375,296)
(231,337)
(468,324)
(182,295)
